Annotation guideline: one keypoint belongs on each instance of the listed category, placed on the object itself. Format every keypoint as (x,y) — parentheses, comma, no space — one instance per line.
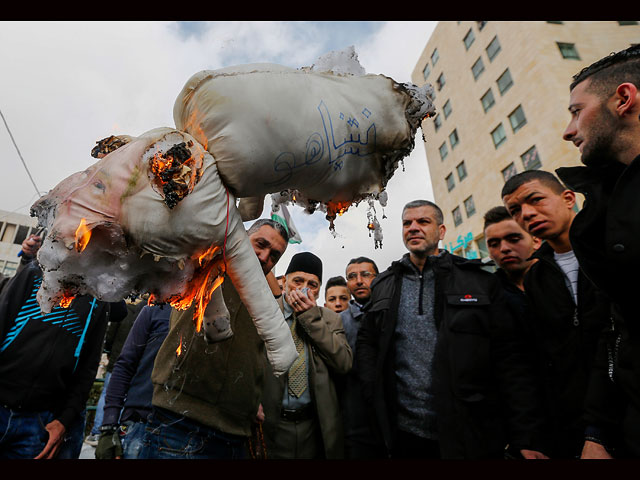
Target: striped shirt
(568,263)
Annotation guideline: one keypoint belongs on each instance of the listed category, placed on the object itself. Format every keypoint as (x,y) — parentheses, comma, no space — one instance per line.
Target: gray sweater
(415,344)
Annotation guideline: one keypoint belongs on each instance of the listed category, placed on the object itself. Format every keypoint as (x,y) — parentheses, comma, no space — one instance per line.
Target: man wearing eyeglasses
(360,273)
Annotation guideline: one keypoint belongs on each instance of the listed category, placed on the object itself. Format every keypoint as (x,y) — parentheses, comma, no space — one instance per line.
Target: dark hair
(426,203)
(337,281)
(610,71)
(278,227)
(546,178)
(496,215)
(364,260)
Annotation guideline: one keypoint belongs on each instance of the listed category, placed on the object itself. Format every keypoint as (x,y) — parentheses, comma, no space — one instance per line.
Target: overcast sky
(65,85)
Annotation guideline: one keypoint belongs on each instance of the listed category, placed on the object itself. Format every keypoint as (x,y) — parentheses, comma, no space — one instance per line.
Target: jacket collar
(404,265)
(544,252)
(583,178)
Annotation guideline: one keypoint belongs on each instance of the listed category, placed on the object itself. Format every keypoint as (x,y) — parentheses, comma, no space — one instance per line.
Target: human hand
(593,450)
(31,245)
(56,437)
(533,455)
(301,302)
(260,414)
(109,445)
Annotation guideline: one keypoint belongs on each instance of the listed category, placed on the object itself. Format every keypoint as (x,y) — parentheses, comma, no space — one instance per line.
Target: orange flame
(208,254)
(338,208)
(179,349)
(207,277)
(66,301)
(83,234)
(195,129)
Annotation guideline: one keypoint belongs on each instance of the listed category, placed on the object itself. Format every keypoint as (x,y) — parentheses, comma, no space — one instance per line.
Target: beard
(428,248)
(599,152)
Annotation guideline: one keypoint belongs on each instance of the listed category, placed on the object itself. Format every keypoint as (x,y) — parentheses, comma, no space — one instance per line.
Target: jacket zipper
(420,298)
(612,352)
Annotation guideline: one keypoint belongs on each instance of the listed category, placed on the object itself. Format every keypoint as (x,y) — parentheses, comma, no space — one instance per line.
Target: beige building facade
(14,229)
(502,92)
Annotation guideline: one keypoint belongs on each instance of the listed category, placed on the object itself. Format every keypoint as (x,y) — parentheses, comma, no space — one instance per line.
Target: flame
(83,234)
(207,277)
(179,349)
(337,208)
(208,254)
(371,226)
(66,301)
(195,129)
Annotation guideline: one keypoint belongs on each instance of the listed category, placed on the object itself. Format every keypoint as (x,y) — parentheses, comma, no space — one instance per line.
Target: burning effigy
(158,213)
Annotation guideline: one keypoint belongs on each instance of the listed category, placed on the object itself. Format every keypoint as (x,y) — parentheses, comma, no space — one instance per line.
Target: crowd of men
(435,357)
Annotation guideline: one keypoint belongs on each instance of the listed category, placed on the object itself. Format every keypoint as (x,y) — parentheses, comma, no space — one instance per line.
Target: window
(434,57)
(487,100)
(481,25)
(504,82)
(441,81)
(558,23)
(468,39)
(9,233)
(462,171)
(444,151)
(632,22)
(498,135)
(10,268)
(477,68)
(426,71)
(437,121)
(469,206)
(531,159)
(509,171)
(454,139)
(457,216)
(23,230)
(482,247)
(493,48)
(517,119)
(568,50)
(450,182)
(446,109)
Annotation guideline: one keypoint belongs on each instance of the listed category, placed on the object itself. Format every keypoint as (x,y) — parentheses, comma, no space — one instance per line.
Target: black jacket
(49,362)
(484,392)
(565,338)
(605,236)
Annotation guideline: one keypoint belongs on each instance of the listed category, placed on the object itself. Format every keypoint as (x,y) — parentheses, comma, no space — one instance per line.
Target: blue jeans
(97,421)
(176,437)
(73,439)
(132,439)
(23,435)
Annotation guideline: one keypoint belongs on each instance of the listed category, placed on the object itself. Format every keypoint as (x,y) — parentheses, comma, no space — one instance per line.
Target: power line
(19,154)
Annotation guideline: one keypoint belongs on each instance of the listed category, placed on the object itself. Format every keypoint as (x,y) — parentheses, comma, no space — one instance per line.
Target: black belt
(303,413)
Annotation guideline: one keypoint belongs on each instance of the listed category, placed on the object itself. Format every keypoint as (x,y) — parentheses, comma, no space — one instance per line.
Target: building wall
(14,228)
(541,78)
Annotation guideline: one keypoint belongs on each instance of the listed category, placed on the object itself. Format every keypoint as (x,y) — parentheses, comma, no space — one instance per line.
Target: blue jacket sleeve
(126,366)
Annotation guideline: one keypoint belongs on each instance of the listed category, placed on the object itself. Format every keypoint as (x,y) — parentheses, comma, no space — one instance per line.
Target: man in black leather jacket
(605,126)
(439,355)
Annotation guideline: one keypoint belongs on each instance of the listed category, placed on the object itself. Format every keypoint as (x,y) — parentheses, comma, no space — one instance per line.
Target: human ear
(627,98)
(569,198)
(443,230)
